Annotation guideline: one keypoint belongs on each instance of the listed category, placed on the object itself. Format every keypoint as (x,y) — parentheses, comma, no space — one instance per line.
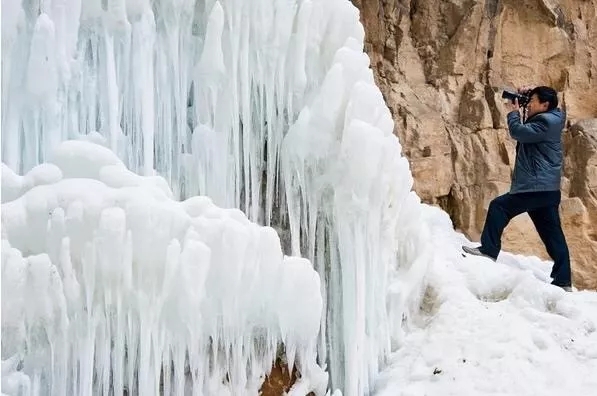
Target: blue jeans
(542,207)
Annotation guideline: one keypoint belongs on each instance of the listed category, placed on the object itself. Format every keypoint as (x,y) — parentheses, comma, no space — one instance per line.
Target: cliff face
(442,66)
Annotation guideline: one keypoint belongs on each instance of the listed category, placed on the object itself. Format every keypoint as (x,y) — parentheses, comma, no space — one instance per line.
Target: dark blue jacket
(539,152)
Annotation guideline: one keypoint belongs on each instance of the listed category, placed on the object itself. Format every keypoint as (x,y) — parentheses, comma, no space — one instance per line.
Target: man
(536,180)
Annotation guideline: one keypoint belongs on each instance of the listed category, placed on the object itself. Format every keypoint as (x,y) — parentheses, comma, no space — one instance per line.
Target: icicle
(267,107)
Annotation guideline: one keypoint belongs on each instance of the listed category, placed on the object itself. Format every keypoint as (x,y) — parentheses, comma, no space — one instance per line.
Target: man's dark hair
(545,94)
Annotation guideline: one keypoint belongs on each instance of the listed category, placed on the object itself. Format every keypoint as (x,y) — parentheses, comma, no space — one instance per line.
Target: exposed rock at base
(442,65)
(279,381)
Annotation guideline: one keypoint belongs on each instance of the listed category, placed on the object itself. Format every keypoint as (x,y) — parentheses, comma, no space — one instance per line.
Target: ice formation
(266,107)
(106,288)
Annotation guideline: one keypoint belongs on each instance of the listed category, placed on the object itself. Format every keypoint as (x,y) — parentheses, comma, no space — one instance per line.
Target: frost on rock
(105,289)
(268,108)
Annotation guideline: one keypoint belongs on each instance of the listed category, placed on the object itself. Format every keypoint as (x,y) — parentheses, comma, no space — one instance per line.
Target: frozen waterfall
(151,150)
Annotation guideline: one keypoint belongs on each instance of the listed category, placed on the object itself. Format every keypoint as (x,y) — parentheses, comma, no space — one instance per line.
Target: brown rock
(442,65)
(580,215)
(279,381)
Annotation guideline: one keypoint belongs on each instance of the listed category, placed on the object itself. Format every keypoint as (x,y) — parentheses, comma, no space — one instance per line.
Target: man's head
(542,99)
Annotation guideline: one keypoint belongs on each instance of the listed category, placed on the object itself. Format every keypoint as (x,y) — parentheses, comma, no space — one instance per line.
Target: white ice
(142,144)
(109,283)
(264,106)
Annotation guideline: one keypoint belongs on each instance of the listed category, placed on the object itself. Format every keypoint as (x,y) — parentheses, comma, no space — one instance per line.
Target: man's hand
(512,106)
(524,90)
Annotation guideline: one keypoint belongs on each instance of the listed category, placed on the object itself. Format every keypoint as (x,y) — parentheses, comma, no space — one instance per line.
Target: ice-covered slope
(115,268)
(488,328)
(267,106)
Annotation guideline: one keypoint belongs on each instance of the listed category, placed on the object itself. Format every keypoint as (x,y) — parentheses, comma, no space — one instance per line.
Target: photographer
(536,178)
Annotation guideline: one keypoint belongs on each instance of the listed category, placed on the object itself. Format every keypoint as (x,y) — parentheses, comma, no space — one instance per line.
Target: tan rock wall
(442,65)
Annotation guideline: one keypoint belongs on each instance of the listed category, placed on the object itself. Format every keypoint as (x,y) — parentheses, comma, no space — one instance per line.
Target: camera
(523,99)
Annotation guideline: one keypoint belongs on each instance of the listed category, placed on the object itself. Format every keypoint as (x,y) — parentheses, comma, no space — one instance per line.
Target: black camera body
(523,100)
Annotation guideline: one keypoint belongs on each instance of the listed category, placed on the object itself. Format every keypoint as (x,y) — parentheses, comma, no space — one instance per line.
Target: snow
(205,182)
(487,328)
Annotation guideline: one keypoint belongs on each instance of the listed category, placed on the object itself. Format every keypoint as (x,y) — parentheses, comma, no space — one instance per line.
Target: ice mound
(108,285)
(13,185)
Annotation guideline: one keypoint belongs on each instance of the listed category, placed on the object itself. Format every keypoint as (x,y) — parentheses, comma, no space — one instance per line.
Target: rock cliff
(442,65)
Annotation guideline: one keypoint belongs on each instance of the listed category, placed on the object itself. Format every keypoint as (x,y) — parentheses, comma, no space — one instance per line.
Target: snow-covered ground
(488,328)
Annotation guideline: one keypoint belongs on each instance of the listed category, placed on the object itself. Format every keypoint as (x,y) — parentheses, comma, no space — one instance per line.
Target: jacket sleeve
(533,131)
